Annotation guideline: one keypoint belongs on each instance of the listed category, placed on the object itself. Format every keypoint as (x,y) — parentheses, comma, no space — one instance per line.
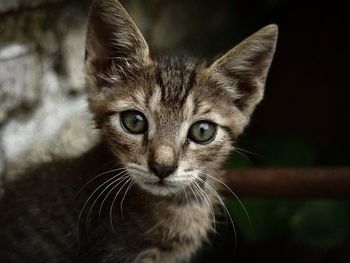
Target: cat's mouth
(160,187)
(161,183)
(153,184)
(157,186)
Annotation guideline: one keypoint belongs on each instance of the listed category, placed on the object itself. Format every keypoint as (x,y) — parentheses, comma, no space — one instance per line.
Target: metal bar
(290,182)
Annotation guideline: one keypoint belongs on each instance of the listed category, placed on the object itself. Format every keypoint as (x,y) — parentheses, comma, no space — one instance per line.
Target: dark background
(302,122)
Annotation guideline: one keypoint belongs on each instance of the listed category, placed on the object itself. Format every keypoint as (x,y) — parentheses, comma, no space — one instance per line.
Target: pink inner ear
(98,51)
(100,57)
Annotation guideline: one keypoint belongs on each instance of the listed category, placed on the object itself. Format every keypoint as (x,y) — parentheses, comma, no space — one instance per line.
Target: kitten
(166,124)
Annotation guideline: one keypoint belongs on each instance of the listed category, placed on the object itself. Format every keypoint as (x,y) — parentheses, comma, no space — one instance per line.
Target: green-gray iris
(133,121)
(202,132)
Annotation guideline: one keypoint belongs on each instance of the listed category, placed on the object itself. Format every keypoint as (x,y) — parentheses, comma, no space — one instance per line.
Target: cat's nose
(161,170)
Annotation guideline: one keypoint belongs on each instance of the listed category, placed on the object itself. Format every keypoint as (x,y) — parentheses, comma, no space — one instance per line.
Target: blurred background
(302,122)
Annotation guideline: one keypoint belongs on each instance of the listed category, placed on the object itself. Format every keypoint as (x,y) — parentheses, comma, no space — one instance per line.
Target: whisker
(111,209)
(126,191)
(97,176)
(136,167)
(186,197)
(225,214)
(239,201)
(252,153)
(125,178)
(87,201)
(194,194)
(243,155)
(120,179)
(152,228)
(225,209)
(207,201)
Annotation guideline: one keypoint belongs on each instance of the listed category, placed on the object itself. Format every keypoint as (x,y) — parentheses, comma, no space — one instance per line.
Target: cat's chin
(159,188)
(153,185)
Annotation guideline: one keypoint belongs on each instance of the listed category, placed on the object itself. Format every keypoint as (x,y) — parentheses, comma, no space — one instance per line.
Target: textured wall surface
(43,108)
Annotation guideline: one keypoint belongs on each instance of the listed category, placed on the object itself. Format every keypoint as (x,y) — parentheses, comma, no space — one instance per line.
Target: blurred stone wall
(43,109)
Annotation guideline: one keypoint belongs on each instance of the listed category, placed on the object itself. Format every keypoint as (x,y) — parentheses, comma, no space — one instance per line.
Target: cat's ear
(114,44)
(242,71)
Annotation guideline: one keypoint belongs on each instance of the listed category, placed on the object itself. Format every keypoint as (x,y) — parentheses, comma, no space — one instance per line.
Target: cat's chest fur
(179,232)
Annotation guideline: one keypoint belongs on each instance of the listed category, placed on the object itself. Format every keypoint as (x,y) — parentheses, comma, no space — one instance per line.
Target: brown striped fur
(45,218)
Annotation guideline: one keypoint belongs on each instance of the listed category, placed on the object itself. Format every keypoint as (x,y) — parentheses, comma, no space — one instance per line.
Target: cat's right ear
(114,44)
(242,71)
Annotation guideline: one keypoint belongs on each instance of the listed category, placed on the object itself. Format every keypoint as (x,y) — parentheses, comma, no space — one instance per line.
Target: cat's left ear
(242,71)
(114,45)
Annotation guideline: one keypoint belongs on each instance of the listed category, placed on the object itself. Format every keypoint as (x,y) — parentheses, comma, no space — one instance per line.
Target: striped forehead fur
(176,76)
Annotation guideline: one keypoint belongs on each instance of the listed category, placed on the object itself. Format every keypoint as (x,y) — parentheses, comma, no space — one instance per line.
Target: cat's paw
(148,256)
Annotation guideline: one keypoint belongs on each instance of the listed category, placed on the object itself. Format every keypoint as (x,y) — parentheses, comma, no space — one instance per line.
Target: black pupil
(203,127)
(137,118)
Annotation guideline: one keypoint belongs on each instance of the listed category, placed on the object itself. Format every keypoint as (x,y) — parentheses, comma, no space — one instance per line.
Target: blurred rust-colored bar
(290,182)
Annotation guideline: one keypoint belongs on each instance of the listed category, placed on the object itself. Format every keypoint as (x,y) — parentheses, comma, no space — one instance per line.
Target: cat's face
(170,121)
(169,126)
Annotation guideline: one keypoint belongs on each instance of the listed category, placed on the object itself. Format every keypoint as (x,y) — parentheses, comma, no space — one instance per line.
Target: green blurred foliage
(291,152)
(273,151)
(314,224)
(323,224)
(317,224)
(269,218)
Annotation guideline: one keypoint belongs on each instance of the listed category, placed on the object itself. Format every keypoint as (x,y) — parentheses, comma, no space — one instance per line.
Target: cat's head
(170,121)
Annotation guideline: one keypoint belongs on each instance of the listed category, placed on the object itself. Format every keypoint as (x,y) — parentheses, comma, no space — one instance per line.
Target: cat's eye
(133,121)
(202,132)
